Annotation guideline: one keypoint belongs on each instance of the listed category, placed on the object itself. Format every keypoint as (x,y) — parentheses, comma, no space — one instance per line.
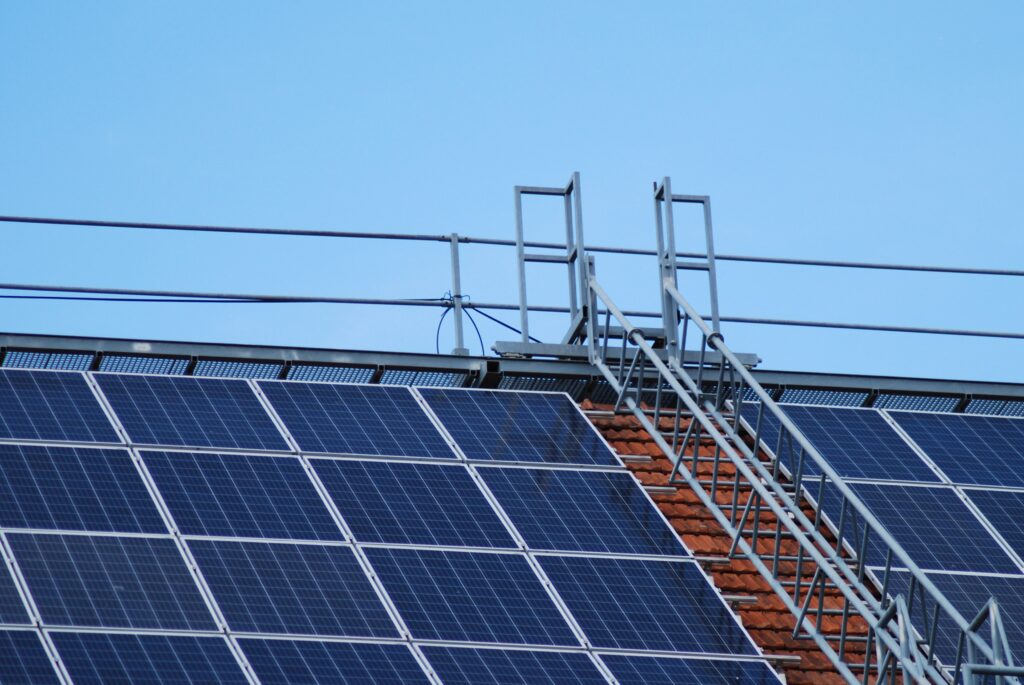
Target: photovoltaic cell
(464,666)
(237,495)
(968,594)
(1005,510)
(932,524)
(110,582)
(858,443)
(72,488)
(23,659)
(356,419)
(470,596)
(284,662)
(12,609)
(979,450)
(289,588)
(190,412)
(102,658)
(515,426)
(50,405)
(641,604)
(422,504)
(582,511)
(647,670)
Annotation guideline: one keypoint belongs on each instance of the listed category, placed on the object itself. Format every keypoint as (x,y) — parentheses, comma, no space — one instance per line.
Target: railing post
(460,344)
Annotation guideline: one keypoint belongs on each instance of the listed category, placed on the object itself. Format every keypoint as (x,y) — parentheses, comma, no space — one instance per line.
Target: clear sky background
(858,131)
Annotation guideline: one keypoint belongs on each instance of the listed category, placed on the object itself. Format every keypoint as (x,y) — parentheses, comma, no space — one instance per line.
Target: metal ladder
(698,386)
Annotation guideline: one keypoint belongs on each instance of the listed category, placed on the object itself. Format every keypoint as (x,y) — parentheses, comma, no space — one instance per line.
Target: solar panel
(642,604)
(980,450)
(513,426)
(932,524)
(356,419)
(404,503)
(968,594)
(12,609)
(110,582)
(159,659)
(858,443)
(289,588)
(190,412)
(470,596)
(1005,510)
(237,495)
(23,659)
(584,511)
(51,405)
(464,666)
(74,488)
(284,662)
(648,670)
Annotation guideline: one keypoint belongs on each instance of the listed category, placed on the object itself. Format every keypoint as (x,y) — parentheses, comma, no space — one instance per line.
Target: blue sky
(869,131)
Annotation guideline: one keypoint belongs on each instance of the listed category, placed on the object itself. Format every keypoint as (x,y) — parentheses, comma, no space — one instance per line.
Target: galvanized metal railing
(704,404)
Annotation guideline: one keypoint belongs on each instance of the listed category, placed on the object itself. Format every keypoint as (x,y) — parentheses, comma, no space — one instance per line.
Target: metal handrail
(888,623)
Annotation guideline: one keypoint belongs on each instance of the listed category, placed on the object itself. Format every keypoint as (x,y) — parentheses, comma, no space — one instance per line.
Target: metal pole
(709,236)
(460,345)
(524,315)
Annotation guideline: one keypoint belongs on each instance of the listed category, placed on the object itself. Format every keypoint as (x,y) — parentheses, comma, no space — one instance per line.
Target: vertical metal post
(712,277)
(571,255)
(460,345)
(524,315)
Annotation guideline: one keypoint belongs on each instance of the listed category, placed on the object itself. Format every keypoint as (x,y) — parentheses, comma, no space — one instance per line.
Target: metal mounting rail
(876,639)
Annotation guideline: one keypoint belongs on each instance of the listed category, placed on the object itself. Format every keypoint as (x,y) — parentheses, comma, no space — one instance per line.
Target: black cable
(502,323)
(437,334)
(483,352)
(182,300)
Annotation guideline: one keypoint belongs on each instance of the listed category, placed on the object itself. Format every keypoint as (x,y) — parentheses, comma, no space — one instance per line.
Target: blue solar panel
(49,405)
(284,662)
(858,443)
(110,582)
(462,666)
(102,658)
(402,503)
(470,596)
(932,524)
(23,659)
(190,412)
(648,670)
(12,609)
(238,495)
(641,604)
(980,450)
(74,488)
(356,419)
(1005,510)
(288,588)
(582,511)
(968,594)
(515,426)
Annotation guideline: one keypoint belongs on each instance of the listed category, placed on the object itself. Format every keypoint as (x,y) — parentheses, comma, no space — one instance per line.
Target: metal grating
(321,373)
(573,386)
(437,379)
(916,402)
(64,361)
(229,369)
(996,407)
(835,398)
(129,363)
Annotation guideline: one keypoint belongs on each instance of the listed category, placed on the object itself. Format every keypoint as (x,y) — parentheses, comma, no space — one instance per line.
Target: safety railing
(761,502)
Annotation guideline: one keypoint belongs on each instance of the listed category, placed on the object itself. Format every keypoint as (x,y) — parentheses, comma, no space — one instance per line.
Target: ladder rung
(555,258)
(692,267)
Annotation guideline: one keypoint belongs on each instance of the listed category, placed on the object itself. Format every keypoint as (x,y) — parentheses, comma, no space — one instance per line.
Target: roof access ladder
(690,396)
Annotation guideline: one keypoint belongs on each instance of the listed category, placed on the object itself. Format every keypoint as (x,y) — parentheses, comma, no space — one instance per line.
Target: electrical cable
(483,352)
(500,322)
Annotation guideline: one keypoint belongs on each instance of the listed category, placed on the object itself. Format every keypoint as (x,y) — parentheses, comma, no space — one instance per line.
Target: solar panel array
(948,487)
(223,530)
